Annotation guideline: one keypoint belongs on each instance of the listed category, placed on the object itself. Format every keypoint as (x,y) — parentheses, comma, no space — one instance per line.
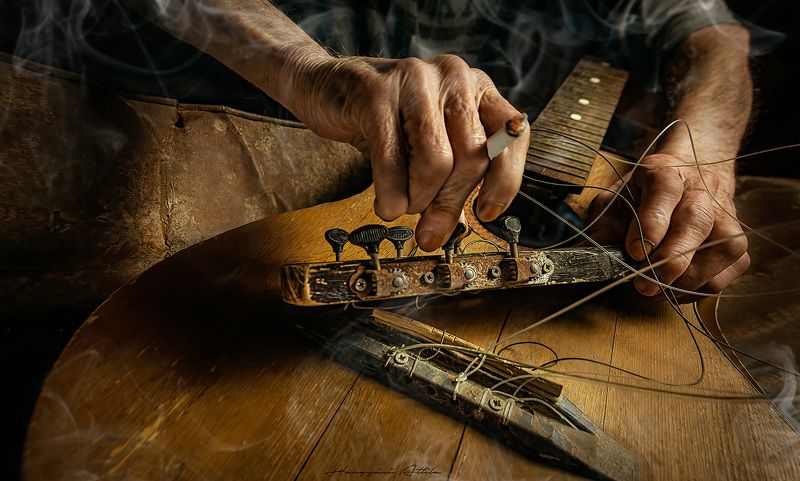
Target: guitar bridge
(501,398)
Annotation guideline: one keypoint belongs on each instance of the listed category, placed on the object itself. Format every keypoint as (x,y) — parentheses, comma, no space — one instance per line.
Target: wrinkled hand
(423,125)
(677,214)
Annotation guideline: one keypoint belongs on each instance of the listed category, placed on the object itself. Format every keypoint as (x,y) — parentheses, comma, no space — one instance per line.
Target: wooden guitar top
(195,370)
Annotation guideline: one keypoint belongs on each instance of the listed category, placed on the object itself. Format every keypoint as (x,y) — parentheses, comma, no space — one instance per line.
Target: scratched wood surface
(195,370)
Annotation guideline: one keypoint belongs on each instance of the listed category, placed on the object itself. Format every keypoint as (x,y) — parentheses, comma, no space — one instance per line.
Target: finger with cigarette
(506,148)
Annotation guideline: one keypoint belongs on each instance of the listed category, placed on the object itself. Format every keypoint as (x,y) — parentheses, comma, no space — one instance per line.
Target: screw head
(469,274)
(428,277)
(547,267)
(398,282)
(361,284)
(400,357)
(495,272)
(496,404)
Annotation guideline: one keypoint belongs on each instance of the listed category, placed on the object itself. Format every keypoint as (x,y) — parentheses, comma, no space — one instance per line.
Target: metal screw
(361,284)
(469,274)
(548,266)
(428,277)
(398,282)
(534,269)
(496,404)
(400,357)
(495,272)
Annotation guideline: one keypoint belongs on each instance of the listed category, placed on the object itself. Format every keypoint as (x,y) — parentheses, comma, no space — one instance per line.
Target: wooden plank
(674,434)
(378,428)
(588,331)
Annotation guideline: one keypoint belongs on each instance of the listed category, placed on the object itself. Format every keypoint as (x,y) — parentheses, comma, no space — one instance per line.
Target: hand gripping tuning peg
(511,227)
(454,241)
(337,238)
(369,238)
(398,235)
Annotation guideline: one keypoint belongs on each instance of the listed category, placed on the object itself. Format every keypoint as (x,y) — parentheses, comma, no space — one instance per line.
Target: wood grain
(196,371)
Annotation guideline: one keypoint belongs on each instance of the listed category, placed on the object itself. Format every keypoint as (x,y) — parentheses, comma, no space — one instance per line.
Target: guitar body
(196,370)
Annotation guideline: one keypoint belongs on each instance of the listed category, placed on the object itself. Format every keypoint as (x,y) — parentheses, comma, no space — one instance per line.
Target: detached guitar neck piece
(317,284)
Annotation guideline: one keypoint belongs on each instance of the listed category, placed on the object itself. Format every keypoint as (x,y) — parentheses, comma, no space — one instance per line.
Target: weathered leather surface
(96,185)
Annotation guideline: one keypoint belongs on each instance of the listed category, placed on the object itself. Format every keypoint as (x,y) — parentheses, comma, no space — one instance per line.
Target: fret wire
(557,174)
(561,161)
(532,151)
(552,157)
(575,132)
(559,167)
(577,124)
(564,146)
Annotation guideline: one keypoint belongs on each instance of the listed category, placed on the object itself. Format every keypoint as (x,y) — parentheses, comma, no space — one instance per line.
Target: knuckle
(745,262)
(483,80)
(459,106)
(449,61)
(675,267)
(716,285)
(413,65)
(434,169)
(700,215)
(656,218)
(734,249)
(444,207)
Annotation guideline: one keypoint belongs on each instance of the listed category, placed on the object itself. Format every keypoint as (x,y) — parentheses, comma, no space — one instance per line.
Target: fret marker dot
(594,80)
(583,101)
(575,116)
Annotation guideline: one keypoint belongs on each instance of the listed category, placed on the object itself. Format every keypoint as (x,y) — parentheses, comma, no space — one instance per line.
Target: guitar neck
(579,113)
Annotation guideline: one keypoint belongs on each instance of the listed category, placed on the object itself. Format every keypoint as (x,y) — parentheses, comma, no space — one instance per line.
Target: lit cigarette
(504,137)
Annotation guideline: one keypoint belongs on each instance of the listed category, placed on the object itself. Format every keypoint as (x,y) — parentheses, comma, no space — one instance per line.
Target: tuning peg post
(399,235)
(511,227)
(369,238)
(455,239)
(337,238)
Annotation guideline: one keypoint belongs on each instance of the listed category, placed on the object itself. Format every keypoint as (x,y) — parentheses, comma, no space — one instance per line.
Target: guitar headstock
(451,272)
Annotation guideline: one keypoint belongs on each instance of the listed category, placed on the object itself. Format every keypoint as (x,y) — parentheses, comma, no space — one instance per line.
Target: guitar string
(709,393)
(662,286)
(671,298)
(696,164)
(675,306)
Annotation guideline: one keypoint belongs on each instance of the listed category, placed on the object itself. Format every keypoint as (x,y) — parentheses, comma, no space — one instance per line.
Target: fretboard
(580,110)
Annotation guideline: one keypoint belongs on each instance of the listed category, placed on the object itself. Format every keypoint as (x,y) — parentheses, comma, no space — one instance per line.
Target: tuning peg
(511,227)
(337,238)
(455,239)
(398,235)
(369,238)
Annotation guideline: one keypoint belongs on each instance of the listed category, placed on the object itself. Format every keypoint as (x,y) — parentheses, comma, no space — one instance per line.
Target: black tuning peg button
(399,235)
(369,238)
(337,238)
(511,227)
(454,241)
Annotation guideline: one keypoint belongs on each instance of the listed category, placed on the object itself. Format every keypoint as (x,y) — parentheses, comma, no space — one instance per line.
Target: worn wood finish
(329,283)
(195,371)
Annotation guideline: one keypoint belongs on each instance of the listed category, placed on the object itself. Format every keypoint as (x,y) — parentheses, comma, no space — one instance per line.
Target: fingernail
(635,248)
(429,240)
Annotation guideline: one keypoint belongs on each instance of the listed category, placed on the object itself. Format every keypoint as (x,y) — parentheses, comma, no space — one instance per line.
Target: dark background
(31,343)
